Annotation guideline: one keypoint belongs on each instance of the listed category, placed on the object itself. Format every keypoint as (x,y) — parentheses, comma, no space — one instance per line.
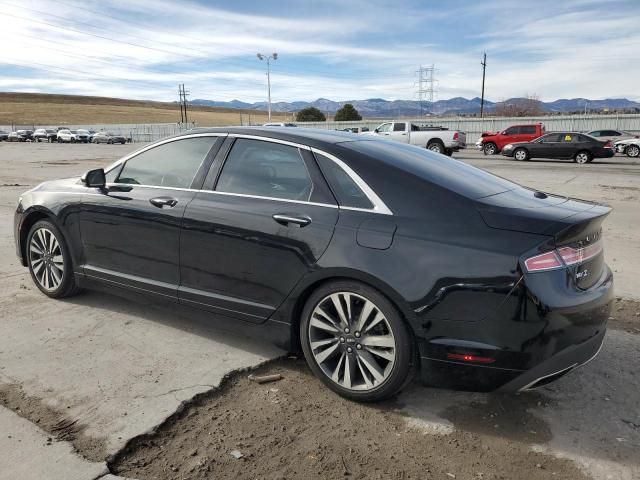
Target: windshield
(452,174)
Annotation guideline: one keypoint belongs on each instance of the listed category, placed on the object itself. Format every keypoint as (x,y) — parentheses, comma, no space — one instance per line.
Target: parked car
(3,135)
(314,240)
(493,143)
(45,135)
(279,124)
(629,147)
(81,135)
(20,136)
(581,147)
(612,135)
(436,139)
(108,137)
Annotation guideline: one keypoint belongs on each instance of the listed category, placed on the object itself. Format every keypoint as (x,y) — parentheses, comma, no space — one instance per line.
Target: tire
(436,146)
(490,148)
(73,140)
(334,349)
(521,154)
(109,141)
(633,151)
(49,261)
(583,157)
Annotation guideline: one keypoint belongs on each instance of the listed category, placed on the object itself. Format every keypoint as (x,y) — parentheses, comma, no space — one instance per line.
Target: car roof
(306,136)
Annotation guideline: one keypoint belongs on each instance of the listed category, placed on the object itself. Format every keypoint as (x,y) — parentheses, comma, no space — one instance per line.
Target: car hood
(527,210)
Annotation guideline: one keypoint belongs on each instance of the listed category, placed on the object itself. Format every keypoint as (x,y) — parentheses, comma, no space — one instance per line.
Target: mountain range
(381,108)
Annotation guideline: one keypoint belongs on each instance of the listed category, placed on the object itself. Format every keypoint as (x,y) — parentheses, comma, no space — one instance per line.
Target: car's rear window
(452,174)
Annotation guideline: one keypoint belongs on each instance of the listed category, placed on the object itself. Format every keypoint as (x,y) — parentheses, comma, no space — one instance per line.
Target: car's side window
(595,133)
(172,164)
(511,131)
(528,130)
(265,169)
(399,127)
(385,127)
(347,192)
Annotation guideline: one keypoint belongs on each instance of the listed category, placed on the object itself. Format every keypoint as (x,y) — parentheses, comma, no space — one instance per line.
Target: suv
(494,142)
(45,135)
(66,135)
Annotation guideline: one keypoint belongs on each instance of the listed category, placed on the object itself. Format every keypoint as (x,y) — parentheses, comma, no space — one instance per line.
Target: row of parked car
(62,135)
(523,142)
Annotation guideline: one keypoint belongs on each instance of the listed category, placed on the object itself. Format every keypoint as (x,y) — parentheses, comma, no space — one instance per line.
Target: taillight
(563,256)
(608,145)
(455,135)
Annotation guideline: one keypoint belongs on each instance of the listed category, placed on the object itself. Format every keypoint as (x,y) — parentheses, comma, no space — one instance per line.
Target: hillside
(44,109)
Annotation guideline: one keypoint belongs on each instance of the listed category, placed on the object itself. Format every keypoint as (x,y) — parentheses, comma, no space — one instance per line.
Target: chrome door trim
(269,139)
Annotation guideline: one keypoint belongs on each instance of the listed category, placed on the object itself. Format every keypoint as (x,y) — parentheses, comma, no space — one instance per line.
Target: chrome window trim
(378,205)
(157,144)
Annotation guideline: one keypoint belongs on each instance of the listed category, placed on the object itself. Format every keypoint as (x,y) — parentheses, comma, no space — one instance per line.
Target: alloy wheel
(633,151)
(520,154)
(490,149)
(582,157)
(352,341)
(46,260)
(436,147)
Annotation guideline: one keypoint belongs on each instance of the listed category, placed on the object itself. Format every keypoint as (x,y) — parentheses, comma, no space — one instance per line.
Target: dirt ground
(296,428)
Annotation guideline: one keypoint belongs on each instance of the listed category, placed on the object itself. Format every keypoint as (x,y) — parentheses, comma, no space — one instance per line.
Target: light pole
(268,58)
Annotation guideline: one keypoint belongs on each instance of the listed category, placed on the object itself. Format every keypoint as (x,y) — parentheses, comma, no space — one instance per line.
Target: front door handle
(162,202)
(284,219)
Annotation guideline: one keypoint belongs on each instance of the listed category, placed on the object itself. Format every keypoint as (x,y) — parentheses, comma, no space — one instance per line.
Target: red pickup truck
(493,143)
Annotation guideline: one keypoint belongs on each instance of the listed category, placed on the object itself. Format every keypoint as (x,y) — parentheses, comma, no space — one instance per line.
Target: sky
(335,49)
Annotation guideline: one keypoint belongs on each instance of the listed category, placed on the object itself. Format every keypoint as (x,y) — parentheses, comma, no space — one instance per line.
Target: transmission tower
(426,85)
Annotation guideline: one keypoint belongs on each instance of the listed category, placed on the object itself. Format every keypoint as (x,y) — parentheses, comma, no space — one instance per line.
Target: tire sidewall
(68,279)
(436,144)
(404,342)
(635,149)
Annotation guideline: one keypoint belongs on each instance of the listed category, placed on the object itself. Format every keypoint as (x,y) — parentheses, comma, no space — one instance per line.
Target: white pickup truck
(436,139)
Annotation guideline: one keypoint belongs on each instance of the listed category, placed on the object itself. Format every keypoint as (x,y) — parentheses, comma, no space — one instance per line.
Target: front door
(399,132)
(247,242)
(131,230)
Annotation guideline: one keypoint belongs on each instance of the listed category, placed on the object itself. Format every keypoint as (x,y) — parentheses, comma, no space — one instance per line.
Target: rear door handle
(284,219)
(162,202)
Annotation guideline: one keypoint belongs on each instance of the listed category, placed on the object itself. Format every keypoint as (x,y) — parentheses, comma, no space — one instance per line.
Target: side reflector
(464,357)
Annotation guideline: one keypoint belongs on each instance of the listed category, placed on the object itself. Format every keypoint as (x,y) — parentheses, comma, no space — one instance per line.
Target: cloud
(335,49)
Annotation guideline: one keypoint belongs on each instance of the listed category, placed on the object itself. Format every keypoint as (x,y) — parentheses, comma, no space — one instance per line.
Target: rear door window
(528,130)
(399,127)
(265,169)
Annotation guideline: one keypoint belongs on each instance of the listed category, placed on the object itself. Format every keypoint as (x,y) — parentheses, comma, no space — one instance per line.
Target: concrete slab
(26,454)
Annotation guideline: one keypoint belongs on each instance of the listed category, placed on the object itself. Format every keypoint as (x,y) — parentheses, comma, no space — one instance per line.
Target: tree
(347,113)
(310,114)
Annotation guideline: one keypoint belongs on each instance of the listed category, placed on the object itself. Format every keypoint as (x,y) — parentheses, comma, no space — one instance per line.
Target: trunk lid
(575,225)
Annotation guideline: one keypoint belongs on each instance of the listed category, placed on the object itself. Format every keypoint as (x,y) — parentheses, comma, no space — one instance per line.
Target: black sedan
(3,135)
(580,147)
(376,259)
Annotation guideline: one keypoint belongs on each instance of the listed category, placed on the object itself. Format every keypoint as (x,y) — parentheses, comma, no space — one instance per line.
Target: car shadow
(235,334)
(591,413)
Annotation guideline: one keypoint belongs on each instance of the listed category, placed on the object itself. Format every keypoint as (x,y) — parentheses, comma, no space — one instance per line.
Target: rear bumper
(527,342)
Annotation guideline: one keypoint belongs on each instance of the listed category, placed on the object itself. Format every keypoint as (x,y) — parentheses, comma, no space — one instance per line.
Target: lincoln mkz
(378,260)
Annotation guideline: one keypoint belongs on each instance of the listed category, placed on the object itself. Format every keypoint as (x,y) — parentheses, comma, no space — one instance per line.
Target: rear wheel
(49,260)
(73,140)
(109,141)
(436,146)
(355,341)
(521,154)
(490,148)
(633,151)
(583,157)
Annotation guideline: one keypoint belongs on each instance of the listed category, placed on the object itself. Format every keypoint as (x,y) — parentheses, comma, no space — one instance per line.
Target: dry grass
(43,109)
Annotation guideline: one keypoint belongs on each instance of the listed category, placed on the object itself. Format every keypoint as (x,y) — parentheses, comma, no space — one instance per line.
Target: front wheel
(583,157)
(49,260)
(490,149)
(633,151)
(355,341)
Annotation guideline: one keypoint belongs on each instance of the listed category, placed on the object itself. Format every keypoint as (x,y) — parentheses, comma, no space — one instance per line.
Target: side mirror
(376,130)
(94,178)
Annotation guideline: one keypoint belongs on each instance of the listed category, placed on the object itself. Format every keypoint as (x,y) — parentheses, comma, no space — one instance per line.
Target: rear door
(262,221)
(131,230)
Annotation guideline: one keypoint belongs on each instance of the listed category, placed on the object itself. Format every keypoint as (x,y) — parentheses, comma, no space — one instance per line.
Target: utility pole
(181,111)
(426,85)
(184,97)
(268,58)
(484,68)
